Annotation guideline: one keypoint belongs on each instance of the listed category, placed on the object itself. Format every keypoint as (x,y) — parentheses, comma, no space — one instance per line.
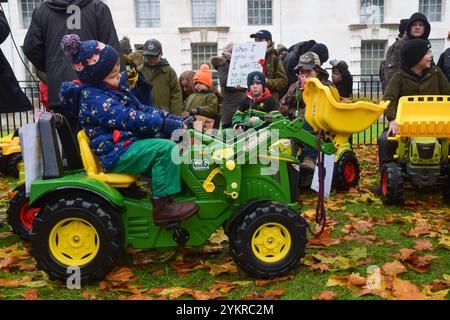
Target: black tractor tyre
(392,183)
(101,216)
(20,216)
(247,227)
(346,172)
(13,165)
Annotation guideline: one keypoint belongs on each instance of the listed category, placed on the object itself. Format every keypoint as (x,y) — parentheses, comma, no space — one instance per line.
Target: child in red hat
(204,101)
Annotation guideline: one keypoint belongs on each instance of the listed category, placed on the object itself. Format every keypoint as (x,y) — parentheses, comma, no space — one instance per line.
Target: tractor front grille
(426,151)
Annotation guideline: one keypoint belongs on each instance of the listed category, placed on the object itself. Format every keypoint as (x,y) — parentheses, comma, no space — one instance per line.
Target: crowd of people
(128,116)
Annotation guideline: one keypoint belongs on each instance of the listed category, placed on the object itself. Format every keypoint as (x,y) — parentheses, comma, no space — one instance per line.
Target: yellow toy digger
(11,163)
(423,151)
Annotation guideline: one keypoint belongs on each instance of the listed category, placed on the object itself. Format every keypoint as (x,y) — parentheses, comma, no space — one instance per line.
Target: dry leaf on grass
(320,266)
(14,283)
(439,285)
(423,245)
(393,268)
(405,290)
(419,230)
(122,274)
(136,297)
(261,282)
(30,294)
(326,295)
(267,295)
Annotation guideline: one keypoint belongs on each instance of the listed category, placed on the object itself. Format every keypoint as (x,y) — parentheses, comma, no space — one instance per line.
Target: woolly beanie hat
(204,76)
(414,50)
(256,77)
(92,60)
(322,51)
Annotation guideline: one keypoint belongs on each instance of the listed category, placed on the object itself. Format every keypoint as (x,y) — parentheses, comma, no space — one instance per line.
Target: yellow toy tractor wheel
(77,231)
(268,240)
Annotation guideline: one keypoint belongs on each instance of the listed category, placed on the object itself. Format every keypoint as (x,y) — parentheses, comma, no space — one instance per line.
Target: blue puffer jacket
(114,118)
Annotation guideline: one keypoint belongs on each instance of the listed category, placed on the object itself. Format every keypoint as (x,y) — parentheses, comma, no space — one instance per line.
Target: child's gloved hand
(394,129)
(334,62)
(237,127)
(132,76)
(252,121)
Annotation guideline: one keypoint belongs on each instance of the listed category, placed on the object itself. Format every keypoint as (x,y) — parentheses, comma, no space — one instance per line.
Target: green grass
(306,283)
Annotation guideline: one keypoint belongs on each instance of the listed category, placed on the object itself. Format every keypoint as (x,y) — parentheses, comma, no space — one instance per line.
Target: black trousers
(386,148)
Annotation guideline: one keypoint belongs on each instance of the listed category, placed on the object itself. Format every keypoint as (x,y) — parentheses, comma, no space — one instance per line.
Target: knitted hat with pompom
(91,60)
(204,76)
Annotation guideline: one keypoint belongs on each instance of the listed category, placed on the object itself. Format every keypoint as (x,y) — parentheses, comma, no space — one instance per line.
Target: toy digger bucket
(424,116)
(342,119)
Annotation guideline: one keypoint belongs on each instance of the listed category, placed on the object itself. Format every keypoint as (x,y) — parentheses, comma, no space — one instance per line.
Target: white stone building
(358,31)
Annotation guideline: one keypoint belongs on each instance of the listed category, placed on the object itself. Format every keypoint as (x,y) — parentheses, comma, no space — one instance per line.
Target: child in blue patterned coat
(121,130)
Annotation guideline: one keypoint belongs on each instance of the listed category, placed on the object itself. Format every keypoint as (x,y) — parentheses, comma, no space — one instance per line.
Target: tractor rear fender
(241,209)
(54,194)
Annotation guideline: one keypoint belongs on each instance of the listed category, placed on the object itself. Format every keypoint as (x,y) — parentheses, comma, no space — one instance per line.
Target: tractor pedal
(172,226)
(181,236)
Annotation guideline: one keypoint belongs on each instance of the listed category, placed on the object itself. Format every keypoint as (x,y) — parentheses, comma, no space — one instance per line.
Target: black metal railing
(365,87)
(368,87)
(11,121)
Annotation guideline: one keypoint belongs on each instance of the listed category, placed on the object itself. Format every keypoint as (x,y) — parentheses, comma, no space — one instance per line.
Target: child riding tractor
(87,217)
(421,148)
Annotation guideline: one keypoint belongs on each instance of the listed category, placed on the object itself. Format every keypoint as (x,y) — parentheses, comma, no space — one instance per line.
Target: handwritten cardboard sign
(244,60)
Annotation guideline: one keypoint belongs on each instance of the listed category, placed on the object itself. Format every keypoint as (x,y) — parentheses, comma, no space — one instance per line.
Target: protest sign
(246,58)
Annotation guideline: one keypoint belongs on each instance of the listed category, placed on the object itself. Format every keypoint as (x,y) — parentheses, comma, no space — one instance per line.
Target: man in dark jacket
(273,67)
(393,60)
(444,63)
(49,25)
(418,27)
(166,93)
(291,59)
(12,98)
(417,77)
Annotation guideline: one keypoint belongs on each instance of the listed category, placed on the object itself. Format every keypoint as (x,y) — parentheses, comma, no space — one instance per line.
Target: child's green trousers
(153,158)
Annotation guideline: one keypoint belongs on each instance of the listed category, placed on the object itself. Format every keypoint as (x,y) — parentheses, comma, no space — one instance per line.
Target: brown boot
(166,210)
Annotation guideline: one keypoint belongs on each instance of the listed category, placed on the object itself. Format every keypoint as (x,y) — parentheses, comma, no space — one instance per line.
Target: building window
(432,9)
(372,53)
(147,13)
(371,12)
(203,12)
(201,53)
(28,7)
(259,12)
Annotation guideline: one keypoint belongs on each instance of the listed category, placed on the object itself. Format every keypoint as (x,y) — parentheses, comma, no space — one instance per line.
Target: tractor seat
(94,169)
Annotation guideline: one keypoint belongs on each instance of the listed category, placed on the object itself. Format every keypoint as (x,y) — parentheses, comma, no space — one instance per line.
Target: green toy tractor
(86,217)
(422,153)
